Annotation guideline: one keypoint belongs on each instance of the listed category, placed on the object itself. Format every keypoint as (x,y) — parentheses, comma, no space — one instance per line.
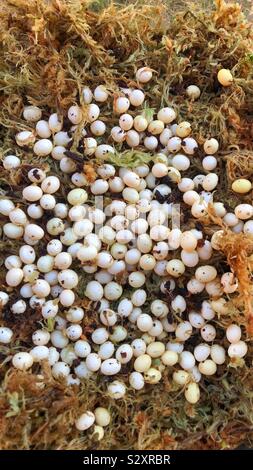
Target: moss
(129,158)
(38,416)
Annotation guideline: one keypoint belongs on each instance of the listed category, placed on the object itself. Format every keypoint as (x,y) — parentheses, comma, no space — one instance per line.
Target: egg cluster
(119,247)
(100,419)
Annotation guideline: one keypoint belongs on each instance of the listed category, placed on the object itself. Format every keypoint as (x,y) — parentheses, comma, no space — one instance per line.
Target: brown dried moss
(38,416)
(239,164)
(50,50)
(238,249)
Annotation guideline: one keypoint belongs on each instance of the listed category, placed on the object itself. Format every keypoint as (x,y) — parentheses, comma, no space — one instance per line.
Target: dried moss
(41,417)
(238,250)
(50,50)
(239,164)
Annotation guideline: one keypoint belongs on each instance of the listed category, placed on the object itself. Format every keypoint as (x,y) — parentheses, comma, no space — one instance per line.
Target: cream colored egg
(225,77)
(241,186)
